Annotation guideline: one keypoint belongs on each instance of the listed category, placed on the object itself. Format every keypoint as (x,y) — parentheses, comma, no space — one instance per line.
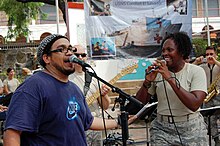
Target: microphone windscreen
(160,58)
(72,57)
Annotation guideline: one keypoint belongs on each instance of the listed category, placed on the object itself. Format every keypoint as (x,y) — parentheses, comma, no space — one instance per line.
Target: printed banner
(133,28)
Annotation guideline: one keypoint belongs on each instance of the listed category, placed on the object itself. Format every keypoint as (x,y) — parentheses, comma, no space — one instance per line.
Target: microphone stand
(122,98)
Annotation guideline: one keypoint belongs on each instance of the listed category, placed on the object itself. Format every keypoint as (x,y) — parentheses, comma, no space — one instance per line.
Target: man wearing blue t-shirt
(47,109)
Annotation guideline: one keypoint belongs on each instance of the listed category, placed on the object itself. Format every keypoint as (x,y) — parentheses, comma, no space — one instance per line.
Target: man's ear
(46,58)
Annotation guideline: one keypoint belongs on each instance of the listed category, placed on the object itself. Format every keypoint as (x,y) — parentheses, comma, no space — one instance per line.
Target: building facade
(199,20)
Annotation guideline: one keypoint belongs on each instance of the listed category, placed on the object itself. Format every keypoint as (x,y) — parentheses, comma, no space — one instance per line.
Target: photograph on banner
(180,6)
(161,28)
(138,26)
(103,47)
(99,8)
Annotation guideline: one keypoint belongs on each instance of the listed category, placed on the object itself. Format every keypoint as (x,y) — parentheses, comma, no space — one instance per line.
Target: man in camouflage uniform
(212,69)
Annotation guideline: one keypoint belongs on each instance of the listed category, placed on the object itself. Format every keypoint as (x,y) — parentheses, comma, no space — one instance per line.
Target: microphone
(74,59)
(150,71)
(155,67)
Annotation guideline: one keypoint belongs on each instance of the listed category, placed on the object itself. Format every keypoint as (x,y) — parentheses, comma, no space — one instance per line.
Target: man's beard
(63,70)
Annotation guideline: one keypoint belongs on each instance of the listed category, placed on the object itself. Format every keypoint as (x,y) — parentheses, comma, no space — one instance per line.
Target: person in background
(1,87)
(37,68)
(180,88)
(2,108)
(78,77)
(48,109)
(26,72)
(10,83)
(107,11)
(212,69)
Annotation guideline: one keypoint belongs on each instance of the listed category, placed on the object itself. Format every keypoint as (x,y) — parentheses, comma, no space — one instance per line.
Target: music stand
(208,112)
(147,110)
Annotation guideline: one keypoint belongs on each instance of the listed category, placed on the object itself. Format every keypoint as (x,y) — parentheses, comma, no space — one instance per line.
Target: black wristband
(147,86)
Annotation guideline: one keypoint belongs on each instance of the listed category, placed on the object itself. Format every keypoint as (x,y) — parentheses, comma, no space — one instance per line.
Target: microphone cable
(101,104)
(168,102)
(165,90)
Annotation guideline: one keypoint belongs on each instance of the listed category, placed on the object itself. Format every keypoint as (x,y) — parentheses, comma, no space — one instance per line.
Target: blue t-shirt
(49,112)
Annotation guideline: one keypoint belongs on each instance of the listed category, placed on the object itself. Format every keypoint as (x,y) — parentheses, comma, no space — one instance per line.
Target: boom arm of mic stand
(117,90)
(124,115)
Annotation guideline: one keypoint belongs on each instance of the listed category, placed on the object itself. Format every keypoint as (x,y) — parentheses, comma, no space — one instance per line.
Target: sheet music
(147,106)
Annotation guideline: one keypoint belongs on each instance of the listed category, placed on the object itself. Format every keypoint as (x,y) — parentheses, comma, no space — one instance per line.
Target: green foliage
(19,16)
(3,75)
(199,44)
(218,57)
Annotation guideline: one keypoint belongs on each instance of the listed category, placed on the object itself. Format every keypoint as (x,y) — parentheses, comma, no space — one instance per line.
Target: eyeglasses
(64,49)
(207,54)
(80,54)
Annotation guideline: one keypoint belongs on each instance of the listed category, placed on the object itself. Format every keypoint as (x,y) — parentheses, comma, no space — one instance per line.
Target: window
(213,8)
(194,8)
